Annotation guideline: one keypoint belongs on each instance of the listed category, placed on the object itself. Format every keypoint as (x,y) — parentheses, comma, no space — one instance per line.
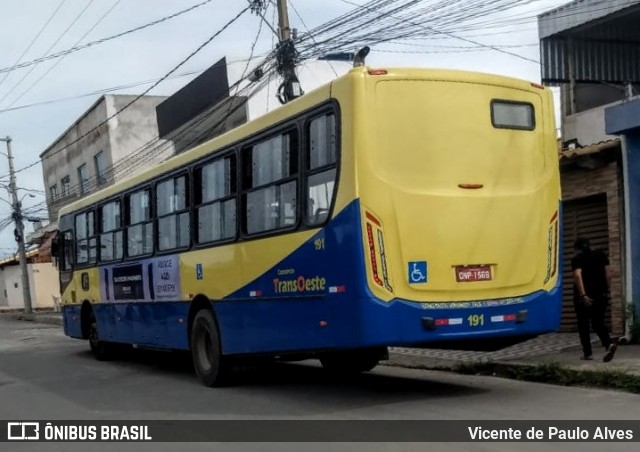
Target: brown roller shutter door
(585,217)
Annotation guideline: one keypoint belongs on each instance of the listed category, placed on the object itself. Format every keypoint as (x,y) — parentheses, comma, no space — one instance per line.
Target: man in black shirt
(592,277)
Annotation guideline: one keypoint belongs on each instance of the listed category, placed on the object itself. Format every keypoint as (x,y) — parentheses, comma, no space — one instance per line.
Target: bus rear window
(512,115)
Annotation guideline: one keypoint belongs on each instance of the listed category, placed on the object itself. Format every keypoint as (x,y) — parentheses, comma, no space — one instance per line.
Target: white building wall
(131,131)
(587,127)
(13,283)
(43,282)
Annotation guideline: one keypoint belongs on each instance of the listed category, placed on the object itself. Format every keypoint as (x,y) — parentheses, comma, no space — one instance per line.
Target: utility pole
(19,231)
(286,57)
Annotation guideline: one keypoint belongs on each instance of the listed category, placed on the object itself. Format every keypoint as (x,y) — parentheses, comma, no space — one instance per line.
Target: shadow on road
(143,381)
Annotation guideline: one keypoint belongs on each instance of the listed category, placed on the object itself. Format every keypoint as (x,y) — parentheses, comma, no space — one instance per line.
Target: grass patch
(554,373)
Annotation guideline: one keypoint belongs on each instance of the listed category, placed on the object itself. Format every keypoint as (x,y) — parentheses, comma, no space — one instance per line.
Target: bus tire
(102,350)
(351,362)
(206,350)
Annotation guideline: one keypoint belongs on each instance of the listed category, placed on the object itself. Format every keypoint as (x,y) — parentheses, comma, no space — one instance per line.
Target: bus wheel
(103,351)
(352,362)
(211,367)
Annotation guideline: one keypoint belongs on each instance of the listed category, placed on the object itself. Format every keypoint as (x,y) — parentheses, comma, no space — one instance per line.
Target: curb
(546,373)
(50,319)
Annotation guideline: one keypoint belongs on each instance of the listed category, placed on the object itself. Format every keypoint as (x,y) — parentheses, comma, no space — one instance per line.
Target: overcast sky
(150,53)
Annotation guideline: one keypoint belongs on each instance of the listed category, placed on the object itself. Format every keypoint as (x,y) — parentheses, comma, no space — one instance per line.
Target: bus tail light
(372,254)
(377,72)
(552,247)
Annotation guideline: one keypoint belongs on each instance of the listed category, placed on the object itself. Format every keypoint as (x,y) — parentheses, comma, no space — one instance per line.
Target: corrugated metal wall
(593,61)
(586,217)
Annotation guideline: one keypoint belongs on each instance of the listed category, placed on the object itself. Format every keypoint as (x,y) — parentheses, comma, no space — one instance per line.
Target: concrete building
(75,165)
(590,49)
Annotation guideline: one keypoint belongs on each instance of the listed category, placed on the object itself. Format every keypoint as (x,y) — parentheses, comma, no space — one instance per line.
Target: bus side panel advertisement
(153,279)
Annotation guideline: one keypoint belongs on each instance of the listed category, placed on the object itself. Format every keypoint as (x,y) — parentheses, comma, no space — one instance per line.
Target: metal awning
(602,36)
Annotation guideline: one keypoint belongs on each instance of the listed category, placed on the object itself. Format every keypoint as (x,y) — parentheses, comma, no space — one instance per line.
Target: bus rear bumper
(71,321)
(421,323)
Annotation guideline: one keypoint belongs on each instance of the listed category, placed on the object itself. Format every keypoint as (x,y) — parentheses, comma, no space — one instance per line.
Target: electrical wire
(33,41)
(61,59)
(102,40)
(138,97)
(66,30)
(309,31)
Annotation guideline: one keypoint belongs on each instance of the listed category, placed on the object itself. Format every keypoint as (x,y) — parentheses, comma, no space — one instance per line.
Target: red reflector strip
(503,318)
(372,253)
(555,249)
(377,72)
(452,321)
(255,293)
(337,289)
(372,219)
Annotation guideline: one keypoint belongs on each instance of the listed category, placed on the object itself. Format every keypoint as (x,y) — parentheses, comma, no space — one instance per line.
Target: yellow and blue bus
(389,207)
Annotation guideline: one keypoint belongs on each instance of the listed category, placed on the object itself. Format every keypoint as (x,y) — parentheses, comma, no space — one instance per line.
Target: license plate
(472,273)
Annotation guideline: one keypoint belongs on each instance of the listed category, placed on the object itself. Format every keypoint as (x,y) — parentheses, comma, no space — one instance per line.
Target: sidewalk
(552,353)
(45,316)
(550,358)
(561,348)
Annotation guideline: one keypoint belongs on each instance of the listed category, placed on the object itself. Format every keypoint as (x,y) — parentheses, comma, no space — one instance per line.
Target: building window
(53,190)
(65,184)
(85,238)
(173,214)
(111,243)
(321,168)
(83,178)
(101,170)
(140,226)
(270,170)
(215,200)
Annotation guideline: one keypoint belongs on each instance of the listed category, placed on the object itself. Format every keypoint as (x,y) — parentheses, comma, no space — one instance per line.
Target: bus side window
(65,249)
(321,168)
(111,241)
(173,214)
(270,178)
(140,226)
(86,241)
(215,198)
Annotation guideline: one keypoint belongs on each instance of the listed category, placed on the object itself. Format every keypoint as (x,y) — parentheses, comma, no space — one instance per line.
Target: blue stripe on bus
(356,318)
(276,322)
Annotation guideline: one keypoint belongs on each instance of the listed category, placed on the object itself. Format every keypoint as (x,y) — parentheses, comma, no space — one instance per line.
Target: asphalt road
(44,375)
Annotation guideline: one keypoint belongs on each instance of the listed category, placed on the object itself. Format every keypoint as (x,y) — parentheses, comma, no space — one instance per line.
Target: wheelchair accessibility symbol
(418,272)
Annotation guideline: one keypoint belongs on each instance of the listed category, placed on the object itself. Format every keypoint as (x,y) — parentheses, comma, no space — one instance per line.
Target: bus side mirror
(55,249)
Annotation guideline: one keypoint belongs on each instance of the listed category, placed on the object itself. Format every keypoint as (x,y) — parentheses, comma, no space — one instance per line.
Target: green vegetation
(554,373)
